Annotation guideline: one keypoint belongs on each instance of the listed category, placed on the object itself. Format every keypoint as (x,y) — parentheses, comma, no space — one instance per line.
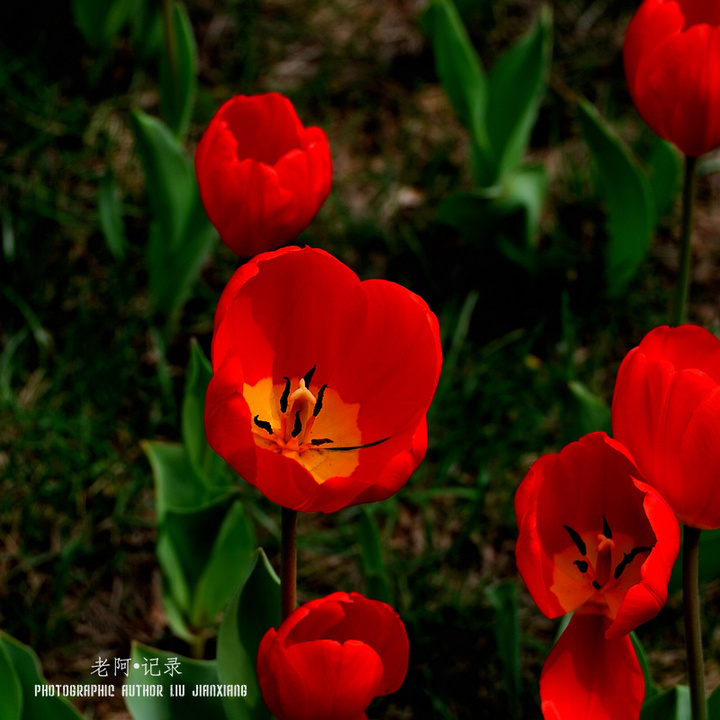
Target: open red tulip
(331,657)
(262,175)
(594,539)
(666,411)
(672,62)
(321,382)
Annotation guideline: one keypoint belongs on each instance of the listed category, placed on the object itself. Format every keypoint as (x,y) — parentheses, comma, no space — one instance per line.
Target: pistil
(603,565)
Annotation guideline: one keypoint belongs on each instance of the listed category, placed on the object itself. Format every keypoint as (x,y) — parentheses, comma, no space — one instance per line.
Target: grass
(79,380)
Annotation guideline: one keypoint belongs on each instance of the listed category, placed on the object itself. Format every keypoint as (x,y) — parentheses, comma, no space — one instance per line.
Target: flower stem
(288,562)
(693,634)
(683,286)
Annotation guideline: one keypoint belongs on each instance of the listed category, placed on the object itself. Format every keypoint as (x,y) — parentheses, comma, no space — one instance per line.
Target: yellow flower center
(316,428)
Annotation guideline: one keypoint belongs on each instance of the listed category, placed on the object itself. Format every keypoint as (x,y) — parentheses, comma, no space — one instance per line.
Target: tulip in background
(263,176)
(321,382)
(331,657)
(596,540)
(672,65)
(666,411)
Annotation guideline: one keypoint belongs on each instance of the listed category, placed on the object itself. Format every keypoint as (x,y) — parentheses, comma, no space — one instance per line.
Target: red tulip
(666,410)
(596,540)
(262,175)
(672,64)
(331,657)
(321,382)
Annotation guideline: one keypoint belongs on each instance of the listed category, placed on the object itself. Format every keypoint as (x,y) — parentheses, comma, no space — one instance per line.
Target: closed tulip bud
(672,65)
(666,411)
(263,176)
(331,657)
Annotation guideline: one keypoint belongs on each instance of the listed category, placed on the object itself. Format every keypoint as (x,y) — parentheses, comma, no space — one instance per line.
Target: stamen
(285,395)
(298,425)
(319,401)
(308,375)
(628,558)
(358,447)
(320,441)
(263,424)
(607,532)
(579,543)
(582,565)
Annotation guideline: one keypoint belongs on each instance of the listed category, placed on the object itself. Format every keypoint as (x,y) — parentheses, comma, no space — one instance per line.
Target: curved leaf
(154,676)
(516,85)
(250,614)
(630,204)
(178,72)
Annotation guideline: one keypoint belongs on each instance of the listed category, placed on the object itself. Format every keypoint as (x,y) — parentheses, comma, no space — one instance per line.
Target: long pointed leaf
(250,614)
(461,74)
(516,85)
(629,199)
(178,73)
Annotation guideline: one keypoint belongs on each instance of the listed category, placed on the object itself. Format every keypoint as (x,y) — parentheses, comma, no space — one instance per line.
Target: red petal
(534,564)
(645,599)
(264,127)
(587,677)
(665,410)
(319,679)
(344,617)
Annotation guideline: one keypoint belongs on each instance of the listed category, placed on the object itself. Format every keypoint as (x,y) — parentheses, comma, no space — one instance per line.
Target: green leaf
(181,235)
(11,698)
(169,181)
(178,71)
(592,412)
(28,672)
(174,269)
(207,464)
(100,22)
(254,609)
(146,30)
(227,564)
(214,539)
(525,188)
(503,598)
(461,73)
(177,485)
(650,687)
(149,686)
(714,704)
(664,171)
(670,704)
(373,560)
(516,85)
(630,204)
(110,214)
